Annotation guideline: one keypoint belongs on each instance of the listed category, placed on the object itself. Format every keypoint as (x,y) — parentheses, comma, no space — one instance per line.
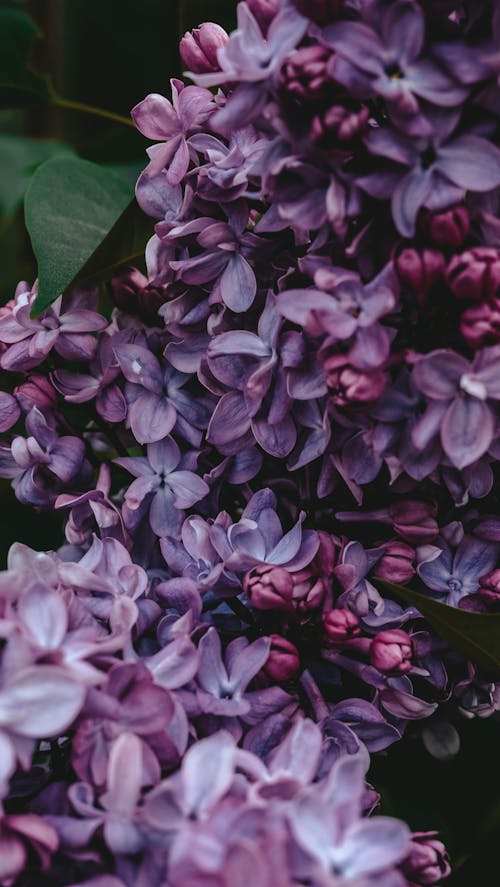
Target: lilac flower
(99,383)
(225,175)
(459,392)
(257,538)
(329,829)
(170,123)
(455,574)
(222,686)
(439,169)
(37,464)
(66,326)
(9,411)
(199,47)
(156,401)
(252,60)
(169,489)
(387,62)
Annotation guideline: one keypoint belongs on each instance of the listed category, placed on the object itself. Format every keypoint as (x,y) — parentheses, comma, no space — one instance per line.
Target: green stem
(61,102)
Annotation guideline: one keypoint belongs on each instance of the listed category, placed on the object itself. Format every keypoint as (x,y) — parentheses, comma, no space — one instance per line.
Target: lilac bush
(298,402)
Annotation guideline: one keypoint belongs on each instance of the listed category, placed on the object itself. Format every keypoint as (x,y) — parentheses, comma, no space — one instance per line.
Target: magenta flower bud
(489,590)
(320,11)
(37,391)
(419,269)
(341,626)
(199,47)
(475,274)
(132,293)
(350,386)
(264,11)
(304,75)
(480,324)
(414,520)
(391,652)
(269,588)
(446,230)
(283,662)
(340,125)
(396,564)
(427,862)
(308,591)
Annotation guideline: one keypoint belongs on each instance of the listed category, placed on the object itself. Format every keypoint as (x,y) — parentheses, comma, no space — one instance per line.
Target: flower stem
(61,102)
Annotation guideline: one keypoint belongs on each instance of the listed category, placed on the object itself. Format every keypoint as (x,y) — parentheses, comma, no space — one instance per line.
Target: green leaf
(19,85)
(124,246)
(71,206)
(475,635)
(19,157)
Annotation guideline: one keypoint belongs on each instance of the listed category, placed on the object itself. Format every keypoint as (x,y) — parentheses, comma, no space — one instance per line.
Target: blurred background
(111,54)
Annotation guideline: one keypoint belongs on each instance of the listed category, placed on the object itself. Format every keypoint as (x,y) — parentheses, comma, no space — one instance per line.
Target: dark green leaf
(124,246)
(71,206)
(475,635)
(19,85)
(19,157)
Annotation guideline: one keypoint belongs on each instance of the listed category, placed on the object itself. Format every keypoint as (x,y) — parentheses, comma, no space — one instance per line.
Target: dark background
(111,54)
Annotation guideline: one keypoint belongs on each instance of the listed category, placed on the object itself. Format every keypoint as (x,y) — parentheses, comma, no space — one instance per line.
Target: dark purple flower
(168,488)
(66,326)
(387,62)
(458,411)
(419,270)
(269,588)
(427,862)
(170,123)
(396,563)
(439,167)
(454,574)
(447,229)
(100,383)
(391,652)
(156,400)
(340,626)
(283,661)
(480,324)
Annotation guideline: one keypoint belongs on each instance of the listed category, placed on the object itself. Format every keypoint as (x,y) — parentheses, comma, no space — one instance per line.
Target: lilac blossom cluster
(300,398)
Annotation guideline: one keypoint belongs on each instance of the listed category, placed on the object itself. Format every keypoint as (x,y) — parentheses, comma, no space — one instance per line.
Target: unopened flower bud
(475,274)
(391,652)
(304,75)
(480,324)
(309,591)
(37,391)
(419,269)
(427,862)
(396,564)
(132,293)
(264,11)
(341,626)
(340,125)
(448,229)
(199,47)
(350,386)
(489,590)
(269,588)
(414,520)
(283,662)
(320,11)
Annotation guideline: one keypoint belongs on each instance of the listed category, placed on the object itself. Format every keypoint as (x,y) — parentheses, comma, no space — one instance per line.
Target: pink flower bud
(448,229)
(264,11)
(396,564)
(340,125)
(475,274)
(199,47)
(427,862)
(391,652)
(304,75)
(350,386)
(414,520)
(269,588)
(480,324)
(419,269)
(320,11)
(341,626)
(283,662)
(308,591)
(37,391)
(489,590)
